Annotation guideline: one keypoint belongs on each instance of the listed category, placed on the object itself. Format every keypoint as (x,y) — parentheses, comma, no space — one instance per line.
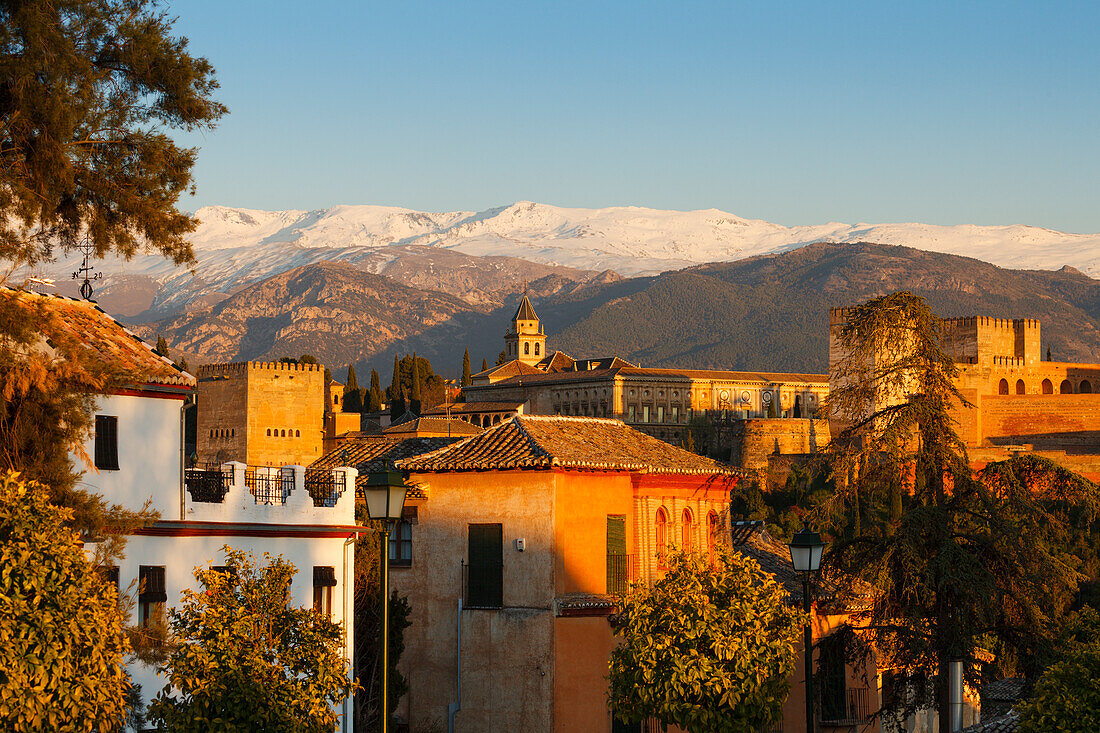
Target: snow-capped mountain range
(237,246)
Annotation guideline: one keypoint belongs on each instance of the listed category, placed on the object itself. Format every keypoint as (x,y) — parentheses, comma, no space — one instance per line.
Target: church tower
(525,340)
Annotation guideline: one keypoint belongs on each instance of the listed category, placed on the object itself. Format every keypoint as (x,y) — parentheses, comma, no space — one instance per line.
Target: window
(400,543)
(662,536)
(1020,389)
(645,413)
(536,349)
(630,413)
(297,433)
(1048,387)
(687,529)
(1085,387)
(712,535)
(831,668)
(618,562)
(675,413)
(485,585)
(1002,387)
(151,593)
(526,347)
(324,580)
(1065,387)
(660,413)
(109,575)
(106,442)
(269,432)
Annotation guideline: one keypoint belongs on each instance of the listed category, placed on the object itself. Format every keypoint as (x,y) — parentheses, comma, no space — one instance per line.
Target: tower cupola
(525,339)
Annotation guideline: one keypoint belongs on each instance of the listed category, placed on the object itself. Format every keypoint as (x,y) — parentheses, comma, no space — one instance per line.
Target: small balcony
(622,570)
(208,484)
(325,487)
(850,708)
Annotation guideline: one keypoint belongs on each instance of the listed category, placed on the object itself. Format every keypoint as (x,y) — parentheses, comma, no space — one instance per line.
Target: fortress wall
(755,439)
(1069,422)
(222,402)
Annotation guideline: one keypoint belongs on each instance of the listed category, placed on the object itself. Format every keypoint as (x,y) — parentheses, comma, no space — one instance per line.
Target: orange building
(524,534)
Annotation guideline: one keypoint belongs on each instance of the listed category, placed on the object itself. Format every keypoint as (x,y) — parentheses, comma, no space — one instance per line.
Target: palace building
(658,401)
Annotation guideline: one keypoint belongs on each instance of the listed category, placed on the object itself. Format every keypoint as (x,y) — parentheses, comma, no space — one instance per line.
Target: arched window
(536,349)
(526,347)
(1048,388)
(233,433)
(712,534)
(687,529)
(297,433)
(1020,388)
(269,432)
(662,536)
(283,434)
(797,406)
(1085,387)
(496,419)
(1002,387)
(485,421)
(1065,387)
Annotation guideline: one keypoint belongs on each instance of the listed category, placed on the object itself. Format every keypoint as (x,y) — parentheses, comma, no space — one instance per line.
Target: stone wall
(1065,422)
(755,440)
(222,403)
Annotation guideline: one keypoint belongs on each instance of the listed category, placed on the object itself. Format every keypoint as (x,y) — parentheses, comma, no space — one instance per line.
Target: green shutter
(618,577)
(485,588)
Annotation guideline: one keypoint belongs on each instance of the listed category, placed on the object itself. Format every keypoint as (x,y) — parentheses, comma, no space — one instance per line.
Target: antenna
(84,271)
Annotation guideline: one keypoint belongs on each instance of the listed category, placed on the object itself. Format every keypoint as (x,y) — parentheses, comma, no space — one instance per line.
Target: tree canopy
(247,658)
(1066,698)
(707,648)
(91,90)
(62,643)
(972,559)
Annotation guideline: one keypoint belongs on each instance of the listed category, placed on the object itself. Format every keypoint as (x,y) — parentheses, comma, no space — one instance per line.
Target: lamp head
(806,549)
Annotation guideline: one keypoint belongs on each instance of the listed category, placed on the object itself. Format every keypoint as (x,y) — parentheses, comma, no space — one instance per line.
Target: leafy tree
(707,648)
(91,90)
(374,397)
(246,659)
(162,346)
(62,643)
(1067,698)
(973,556)
(466,380)
(307,359)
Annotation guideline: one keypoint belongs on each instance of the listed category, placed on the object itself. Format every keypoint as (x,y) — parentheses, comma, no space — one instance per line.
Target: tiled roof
(104,339)
(723,375)
(570,604)
(510,369)
(433,425)
(1008,723)
(371,454)
(525,312)
(462,408)
(543,442)
(539,377)
(1009,689)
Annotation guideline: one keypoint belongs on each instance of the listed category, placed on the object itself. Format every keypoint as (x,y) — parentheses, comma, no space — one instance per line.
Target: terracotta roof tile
(457,428)
(106,340)
(374,453)
(1008,723)
(462,408)
(525,312)
(543,442)
(720,375)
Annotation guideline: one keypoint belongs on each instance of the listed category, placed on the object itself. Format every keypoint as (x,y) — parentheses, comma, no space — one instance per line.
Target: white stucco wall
(180,556)
(149,454)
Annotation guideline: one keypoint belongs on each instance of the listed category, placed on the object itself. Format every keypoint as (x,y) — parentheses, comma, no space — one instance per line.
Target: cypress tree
(466,369)
(353,398)
(352,381)
(374,397)
(394,390)
(397,404)
(162,347)
(414,396)
(484,364)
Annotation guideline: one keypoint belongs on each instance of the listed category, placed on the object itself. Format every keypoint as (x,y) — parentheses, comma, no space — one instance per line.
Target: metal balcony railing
(852,708)
(325,487)
(207,485)
(621,572)
(269,486)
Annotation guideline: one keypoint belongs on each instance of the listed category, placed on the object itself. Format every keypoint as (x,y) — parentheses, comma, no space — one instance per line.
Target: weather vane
(85,270)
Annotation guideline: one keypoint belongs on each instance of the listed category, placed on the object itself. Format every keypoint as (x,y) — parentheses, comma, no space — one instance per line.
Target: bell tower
(525,339)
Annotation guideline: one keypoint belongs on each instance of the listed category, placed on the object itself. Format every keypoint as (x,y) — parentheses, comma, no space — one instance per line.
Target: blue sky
(796,112)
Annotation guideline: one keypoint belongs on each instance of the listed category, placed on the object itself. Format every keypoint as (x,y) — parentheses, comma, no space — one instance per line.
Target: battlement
(240,368)
(1008,361)
(839,315)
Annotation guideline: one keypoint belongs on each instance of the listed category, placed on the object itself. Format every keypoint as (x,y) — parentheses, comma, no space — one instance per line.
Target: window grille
(207,485)
(106,442)
(485,572)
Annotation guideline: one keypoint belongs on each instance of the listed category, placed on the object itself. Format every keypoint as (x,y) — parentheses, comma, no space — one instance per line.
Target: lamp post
(806,549)
(384,494)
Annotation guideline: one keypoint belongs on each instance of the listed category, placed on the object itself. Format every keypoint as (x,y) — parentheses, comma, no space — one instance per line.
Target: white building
(137,449)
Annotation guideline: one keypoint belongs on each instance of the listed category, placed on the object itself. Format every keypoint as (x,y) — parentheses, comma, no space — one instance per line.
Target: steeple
(525,339)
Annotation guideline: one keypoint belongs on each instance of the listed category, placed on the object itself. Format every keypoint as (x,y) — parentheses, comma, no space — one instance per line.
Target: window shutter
(486,579)
(323,576)
(106,442)
(151,578)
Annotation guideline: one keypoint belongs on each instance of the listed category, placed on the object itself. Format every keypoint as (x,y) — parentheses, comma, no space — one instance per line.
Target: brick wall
(1069,422)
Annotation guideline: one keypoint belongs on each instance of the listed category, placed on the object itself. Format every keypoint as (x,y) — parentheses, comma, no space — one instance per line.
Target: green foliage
(352,382)
(415,399)
(973,558)
(484,364)
(162,346)
(502,358)
(374,397)
(92,90)
(1067,697)
(62,643)
(246,660)
(466,374)
(707,648)
(415,384)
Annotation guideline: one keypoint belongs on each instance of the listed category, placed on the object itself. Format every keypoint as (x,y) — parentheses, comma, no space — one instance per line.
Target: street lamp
(806,549)
(384,494)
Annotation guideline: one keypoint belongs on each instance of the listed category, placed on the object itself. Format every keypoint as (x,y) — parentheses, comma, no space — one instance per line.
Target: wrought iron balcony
(269,486)
(208,485)
(325,486)
(851,709)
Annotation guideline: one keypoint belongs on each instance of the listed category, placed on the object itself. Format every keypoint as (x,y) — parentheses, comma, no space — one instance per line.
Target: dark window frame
(485,571)
(106,442)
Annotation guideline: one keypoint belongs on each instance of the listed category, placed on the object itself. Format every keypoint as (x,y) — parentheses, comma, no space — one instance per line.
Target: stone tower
(525,340)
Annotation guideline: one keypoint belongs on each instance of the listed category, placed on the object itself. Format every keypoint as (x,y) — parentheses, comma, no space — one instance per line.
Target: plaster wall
(180,555)
(149,454)
(582,503)
(582,651)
